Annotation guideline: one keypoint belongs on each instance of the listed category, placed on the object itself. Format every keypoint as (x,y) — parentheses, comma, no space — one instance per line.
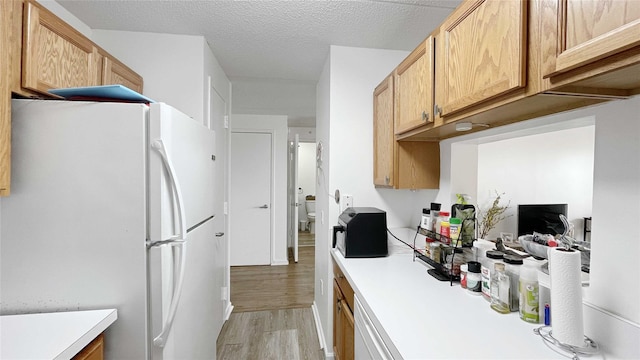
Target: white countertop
(58,335)
(420,317)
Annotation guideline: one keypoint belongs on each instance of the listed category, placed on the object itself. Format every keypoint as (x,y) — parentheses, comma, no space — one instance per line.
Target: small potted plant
(489,219)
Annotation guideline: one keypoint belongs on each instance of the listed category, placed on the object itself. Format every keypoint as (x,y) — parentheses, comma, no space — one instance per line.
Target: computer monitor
(541,218)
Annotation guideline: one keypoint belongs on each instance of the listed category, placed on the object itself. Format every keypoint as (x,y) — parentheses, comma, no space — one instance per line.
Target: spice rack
(440,270)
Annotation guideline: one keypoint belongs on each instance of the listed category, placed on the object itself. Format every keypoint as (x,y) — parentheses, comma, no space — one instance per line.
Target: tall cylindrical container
(529,305)
(513,265)
(492,257)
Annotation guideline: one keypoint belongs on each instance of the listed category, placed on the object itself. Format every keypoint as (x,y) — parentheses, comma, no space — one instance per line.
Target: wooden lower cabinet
(93,351)
(343,322)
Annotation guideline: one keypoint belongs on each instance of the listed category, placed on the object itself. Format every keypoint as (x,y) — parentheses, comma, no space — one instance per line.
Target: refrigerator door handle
(179,258)
(158,145)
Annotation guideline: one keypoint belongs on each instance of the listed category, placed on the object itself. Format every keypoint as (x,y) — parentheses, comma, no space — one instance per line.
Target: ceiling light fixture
(466,126)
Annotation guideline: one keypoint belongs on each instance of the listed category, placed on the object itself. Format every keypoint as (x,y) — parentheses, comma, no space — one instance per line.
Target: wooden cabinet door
(5,101)
(481,53)
(413,89)
(348,332)
(587,31)
(115,72)
(384,148)
(54,54)
(338,344)
(93,351)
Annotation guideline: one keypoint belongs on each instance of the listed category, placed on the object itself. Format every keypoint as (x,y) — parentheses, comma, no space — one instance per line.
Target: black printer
(361,232)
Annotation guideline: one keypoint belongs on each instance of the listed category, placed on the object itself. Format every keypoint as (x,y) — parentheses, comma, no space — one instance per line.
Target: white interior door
(250,202)
(292,196)
(296,204)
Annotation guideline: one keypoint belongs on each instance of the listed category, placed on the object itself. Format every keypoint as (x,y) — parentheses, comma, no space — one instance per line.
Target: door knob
(219,234)
(265,206)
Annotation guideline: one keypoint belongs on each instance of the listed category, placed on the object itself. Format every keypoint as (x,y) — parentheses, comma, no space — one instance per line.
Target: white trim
(321,340)
(227,312)
(279,262)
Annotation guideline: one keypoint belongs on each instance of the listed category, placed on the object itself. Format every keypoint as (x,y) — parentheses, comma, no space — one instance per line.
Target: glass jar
(474,279)
(464,268)
(428,249)
(492,257)
(513,265)
(435,251)
(500,289)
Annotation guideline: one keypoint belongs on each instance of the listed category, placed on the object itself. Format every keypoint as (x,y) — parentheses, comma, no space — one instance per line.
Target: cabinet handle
(437,110)
(425,116)
(386,180)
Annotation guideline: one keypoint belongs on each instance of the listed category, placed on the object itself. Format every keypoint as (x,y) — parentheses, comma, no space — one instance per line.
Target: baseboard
(617,336)
(227,312)
(279,262)
(323,344)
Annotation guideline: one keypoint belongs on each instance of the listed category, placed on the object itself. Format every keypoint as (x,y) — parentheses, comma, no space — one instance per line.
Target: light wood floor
(286,334)
(256,288)
(272,316)
(306,238)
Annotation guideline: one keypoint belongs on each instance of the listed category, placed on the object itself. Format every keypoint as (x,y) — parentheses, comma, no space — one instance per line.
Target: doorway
(302,193)
(251,189)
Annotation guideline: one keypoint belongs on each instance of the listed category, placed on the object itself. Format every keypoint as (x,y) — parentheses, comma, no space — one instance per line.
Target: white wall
(279,223)
(345,90)
(549,168)
(171,65)
(296,99)
(304,133)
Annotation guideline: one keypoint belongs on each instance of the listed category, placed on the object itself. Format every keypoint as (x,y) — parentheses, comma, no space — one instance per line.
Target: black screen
(542,218)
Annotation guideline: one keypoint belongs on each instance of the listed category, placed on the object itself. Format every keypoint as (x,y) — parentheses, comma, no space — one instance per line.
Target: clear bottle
(492,257)
(500,289)
(474,279)
(435,252)
(513,265)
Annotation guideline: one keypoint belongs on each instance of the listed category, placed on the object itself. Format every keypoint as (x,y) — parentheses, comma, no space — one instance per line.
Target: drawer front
(344,285)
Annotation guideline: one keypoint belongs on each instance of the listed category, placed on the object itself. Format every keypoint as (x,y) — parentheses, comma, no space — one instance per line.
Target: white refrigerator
(112,207)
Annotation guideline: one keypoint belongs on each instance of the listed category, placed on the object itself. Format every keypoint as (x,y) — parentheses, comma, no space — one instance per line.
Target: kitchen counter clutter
(419,317)
(59,335)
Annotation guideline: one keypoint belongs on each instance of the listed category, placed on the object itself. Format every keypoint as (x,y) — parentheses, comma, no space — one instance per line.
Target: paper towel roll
(566,296)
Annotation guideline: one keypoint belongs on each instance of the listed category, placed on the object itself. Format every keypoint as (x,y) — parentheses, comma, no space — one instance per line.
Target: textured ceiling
(273,39)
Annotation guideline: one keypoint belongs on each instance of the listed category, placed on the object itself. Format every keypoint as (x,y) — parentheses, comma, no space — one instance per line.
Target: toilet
(311,215)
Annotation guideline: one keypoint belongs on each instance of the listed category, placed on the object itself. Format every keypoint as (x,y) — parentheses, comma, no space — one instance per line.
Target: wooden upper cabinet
(583,32)
(481,53)
(414,89)
(383,137)
(54,54)
(400,164)
(115,72)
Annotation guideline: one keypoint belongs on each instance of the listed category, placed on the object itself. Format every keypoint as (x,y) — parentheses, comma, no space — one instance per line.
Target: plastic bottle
(528,299)
(455,225)
(500,289)
(474,279)
(426,219)
(445,230)
(435,213)
(492,257)
(464,269)
(512,268)
(442,217)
